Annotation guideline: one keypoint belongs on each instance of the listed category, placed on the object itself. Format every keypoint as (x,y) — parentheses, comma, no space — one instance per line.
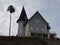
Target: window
(33,34)
(44,35)
(37,21)
(31,28)
(37,29)
(42,29)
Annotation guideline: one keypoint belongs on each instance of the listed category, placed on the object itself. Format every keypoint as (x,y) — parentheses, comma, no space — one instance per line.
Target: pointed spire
(23,16)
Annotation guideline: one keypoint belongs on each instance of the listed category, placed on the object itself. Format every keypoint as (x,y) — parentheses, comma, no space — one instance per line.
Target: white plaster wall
(21,29)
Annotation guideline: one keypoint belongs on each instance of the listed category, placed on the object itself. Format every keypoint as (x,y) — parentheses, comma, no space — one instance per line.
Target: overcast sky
(49,9)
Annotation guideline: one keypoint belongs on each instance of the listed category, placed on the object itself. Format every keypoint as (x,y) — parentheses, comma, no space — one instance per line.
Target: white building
(35,26)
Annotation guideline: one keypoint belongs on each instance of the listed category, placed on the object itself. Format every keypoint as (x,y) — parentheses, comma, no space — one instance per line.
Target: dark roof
(23,16)
(37,12)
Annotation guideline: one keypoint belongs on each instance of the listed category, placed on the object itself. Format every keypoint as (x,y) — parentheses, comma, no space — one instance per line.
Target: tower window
(31,28)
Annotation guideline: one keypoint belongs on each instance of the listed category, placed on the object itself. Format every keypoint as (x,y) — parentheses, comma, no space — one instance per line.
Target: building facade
(35,26)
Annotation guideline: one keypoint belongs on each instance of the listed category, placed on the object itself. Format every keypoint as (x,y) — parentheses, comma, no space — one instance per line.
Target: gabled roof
(23,16)
(37,12)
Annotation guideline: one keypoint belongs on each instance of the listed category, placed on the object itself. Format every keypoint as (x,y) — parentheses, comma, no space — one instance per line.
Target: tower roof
(23,16)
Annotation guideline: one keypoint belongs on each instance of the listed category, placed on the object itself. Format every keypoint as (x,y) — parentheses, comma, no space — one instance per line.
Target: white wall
(21,29)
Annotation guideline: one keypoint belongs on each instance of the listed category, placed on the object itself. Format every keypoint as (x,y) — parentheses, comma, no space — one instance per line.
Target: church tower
(21,23)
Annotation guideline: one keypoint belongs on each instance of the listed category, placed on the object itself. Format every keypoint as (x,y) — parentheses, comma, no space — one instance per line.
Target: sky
(49,9)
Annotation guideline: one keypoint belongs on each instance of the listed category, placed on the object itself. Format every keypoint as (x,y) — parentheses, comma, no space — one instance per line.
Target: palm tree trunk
(10,26)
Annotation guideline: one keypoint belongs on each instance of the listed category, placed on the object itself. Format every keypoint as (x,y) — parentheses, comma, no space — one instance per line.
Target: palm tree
(11,9)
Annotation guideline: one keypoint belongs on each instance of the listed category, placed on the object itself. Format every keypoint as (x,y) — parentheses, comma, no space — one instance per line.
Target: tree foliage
(11,9)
